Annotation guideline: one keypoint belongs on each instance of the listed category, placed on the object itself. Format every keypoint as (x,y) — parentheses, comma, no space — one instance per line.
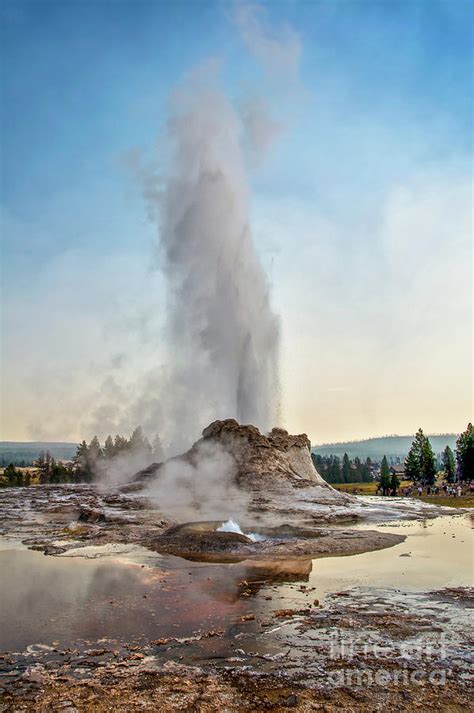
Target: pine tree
(449,465)
(412,466)
(81,454)
(428,463)
(120,444)
(43,464)
(332,471)
(413,459)
(82,462)
(358,471)
(394,484)
(137,441)
(346,469)
(158,455)
(109,449)
(59,473)
(367,476)
(39,463)
(95,456)
(53,472)
(420,463)
(95,450)
(11,474)
(147,450)
(384,483)
(465,454)
(139,446)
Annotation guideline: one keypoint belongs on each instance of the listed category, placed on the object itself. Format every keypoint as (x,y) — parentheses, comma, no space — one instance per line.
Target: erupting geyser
(222,332)
(232,526)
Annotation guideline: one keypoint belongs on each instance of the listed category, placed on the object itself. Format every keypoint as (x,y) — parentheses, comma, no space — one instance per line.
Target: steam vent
(275,471)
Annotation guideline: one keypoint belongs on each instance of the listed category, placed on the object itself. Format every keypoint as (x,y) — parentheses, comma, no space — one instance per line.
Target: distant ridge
(25,452)
(17,452)
(390,446)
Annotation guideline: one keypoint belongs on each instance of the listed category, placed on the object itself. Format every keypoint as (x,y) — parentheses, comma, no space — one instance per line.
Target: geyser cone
(235,470)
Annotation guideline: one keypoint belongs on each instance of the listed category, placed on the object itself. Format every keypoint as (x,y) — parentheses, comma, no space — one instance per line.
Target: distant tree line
(90,459)
(421,465)
(52,471)
(12,477)
(88,462)
(333,470)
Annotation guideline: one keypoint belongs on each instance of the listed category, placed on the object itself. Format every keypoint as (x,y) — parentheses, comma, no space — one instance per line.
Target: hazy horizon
(356,440)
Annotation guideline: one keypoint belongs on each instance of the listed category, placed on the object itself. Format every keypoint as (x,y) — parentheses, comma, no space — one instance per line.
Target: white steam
(232,526)
(278,50)
(121,468)
(221,331)
(204,488)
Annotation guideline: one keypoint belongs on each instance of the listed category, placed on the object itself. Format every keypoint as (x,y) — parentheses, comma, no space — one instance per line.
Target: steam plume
(222,333)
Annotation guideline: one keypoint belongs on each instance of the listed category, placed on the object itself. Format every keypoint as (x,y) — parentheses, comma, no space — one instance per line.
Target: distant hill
(390,446)
(393,447)
(20,453)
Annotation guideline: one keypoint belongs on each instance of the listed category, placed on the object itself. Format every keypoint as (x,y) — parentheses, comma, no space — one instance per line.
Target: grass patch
(465,501)
(362,488)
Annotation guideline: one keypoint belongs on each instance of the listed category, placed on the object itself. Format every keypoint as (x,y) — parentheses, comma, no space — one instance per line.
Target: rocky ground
(361,651)
(269,648)
(185,617)
(56,519)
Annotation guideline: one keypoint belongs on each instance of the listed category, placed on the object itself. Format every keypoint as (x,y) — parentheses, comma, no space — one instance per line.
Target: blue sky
(374,166)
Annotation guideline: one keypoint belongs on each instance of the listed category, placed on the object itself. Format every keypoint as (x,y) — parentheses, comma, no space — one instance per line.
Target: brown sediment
(464,595)
(130,685)
(212,546)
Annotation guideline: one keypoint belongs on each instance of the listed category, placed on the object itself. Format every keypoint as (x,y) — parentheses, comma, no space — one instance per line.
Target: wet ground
(118,626)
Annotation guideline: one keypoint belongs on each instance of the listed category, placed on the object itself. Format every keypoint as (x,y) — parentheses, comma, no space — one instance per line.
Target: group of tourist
(446,489)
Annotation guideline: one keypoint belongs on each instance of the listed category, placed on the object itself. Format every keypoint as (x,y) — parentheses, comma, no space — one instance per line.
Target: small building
(398,470)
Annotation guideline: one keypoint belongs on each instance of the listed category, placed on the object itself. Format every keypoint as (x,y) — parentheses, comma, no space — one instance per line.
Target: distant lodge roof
(400,468)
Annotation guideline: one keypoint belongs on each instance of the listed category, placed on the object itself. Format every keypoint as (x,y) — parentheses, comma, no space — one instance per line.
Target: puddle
(440,555)
(64,600)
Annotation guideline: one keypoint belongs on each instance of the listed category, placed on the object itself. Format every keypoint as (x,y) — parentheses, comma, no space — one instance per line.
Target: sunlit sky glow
(361,210)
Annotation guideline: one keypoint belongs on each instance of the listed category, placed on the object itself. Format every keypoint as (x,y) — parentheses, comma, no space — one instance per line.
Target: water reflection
(437,553)
(65,600)
(50,599)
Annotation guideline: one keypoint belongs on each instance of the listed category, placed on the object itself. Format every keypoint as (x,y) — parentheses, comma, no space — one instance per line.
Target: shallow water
(441,554)
(140,596)
(61,600)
